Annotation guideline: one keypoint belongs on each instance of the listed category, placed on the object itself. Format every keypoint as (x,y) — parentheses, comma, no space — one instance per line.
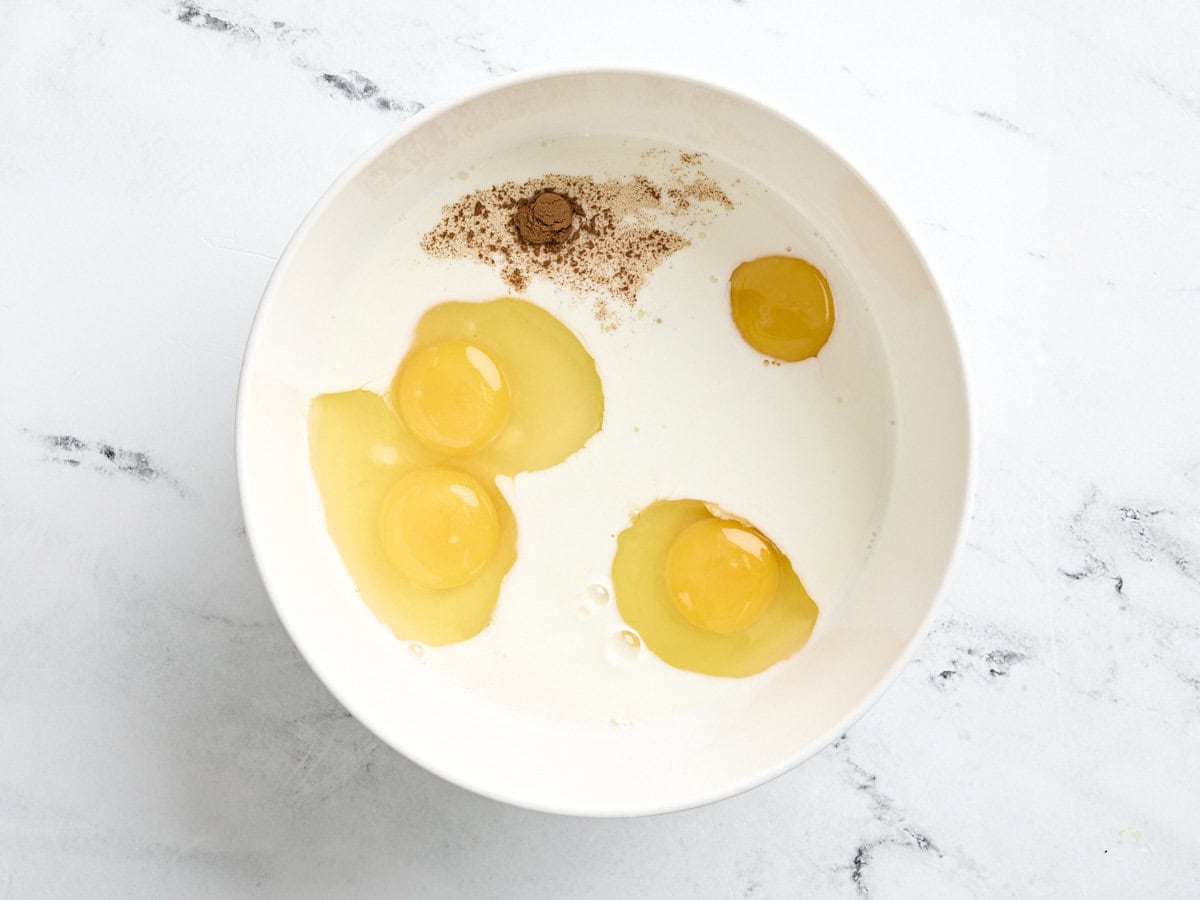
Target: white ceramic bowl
(876,488)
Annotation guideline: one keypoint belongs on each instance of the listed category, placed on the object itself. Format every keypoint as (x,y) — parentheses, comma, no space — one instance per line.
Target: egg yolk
(721,575)
(438,526)
(453,397)
(708,592)
(782,306)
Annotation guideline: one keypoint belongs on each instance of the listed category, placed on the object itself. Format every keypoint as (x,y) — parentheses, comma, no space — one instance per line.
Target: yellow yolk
(722,575)
(782,306)
(438,526)
(452,396)
(708,592)
(407,480)
(555,399)
(360,452)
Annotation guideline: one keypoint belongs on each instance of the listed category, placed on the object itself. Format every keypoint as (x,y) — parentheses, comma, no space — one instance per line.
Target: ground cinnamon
(597,239)
(545,219)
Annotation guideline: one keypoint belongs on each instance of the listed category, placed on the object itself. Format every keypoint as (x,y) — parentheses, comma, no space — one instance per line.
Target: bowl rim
(955,350)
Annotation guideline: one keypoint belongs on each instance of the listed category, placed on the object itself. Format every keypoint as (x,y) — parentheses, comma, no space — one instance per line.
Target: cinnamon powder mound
(546,219)
(596,238)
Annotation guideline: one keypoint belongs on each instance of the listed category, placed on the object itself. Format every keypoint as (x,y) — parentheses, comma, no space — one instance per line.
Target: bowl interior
(529,727)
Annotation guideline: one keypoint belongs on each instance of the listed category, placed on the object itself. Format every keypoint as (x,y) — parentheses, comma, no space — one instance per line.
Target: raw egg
(452,396)
(407,479)
(782,306)
(544,405)
(709,592)
(439,526)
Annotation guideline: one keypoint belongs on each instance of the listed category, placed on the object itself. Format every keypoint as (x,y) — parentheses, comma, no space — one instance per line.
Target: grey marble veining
(159,734)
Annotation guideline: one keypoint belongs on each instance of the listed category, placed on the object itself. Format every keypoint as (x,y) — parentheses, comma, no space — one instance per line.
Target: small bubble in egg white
(597,594)
(712,278)
(416,650)
(624,647)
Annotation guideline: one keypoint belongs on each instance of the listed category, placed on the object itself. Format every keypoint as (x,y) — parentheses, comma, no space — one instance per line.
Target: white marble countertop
(159,734)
